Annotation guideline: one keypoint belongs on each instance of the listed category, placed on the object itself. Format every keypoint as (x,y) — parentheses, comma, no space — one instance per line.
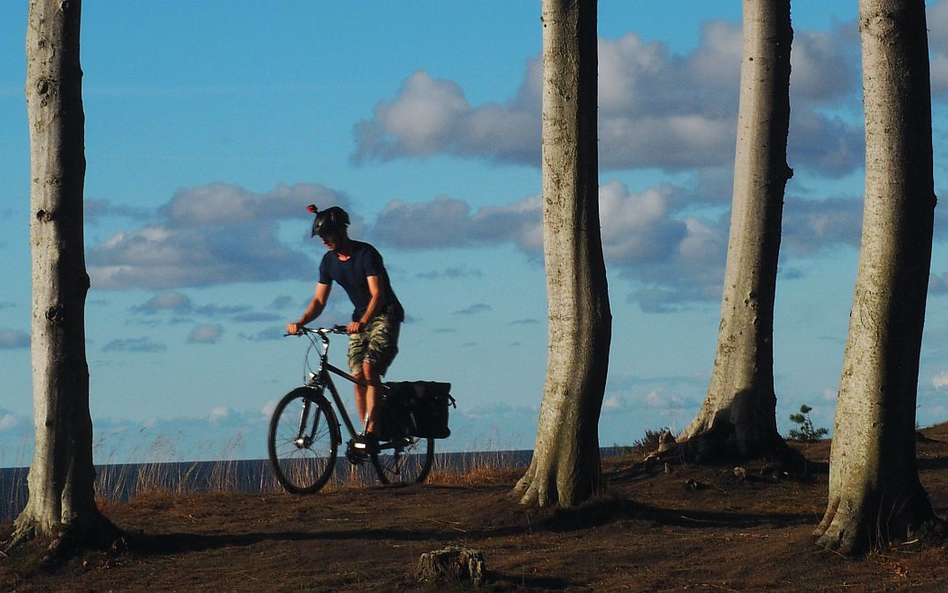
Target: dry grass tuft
(482,476)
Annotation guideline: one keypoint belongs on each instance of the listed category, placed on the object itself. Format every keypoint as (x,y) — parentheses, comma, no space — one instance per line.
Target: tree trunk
(738,416)
(874,491)
(61,479)
(565,469)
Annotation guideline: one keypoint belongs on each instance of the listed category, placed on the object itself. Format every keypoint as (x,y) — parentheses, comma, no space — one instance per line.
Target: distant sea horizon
(119,482)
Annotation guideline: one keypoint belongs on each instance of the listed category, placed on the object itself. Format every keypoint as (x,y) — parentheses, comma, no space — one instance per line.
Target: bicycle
(305,434)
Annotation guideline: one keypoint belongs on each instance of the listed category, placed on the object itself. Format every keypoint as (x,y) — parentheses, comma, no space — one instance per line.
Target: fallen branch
(451,524)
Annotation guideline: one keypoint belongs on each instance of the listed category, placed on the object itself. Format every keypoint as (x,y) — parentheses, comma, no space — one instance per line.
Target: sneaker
(355,456)
(367,443)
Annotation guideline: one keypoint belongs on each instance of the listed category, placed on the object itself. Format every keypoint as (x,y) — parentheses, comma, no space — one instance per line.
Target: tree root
(854,533)
(19,537)
(540,487)
(651,465)
(98,534)
(782,460)
(520,490)
(529,492)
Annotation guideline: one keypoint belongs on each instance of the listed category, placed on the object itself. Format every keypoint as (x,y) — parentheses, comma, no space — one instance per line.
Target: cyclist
(373,331)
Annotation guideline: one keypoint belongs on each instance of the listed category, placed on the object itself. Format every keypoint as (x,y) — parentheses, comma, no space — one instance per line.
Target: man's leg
(370,395)
(370,354)
(360,398)
(358,347)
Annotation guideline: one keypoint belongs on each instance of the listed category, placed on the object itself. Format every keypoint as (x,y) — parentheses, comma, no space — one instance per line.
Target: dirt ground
(690,529)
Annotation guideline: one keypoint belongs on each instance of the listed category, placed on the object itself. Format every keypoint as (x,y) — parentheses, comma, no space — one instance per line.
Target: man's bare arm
(313,310)
(375,304)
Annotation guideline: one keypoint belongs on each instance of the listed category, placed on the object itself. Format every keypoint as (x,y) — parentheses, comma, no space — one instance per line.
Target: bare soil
(690,528)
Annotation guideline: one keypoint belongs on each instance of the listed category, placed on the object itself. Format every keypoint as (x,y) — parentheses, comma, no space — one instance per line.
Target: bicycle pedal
(355,456)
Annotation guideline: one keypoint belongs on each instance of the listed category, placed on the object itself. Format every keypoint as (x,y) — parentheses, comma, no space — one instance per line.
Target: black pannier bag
(394,419)
(419,408)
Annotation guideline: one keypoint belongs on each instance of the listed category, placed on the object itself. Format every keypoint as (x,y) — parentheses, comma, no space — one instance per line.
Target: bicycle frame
(322,378)
(325,380)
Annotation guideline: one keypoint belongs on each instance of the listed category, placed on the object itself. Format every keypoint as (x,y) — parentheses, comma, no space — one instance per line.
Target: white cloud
(11,339)
(448,222)
(218,414)
(452,273)
(431,115)
(168,300)
(614,402)
(256,316)
(284,301)
(424,113)
(225,204)
(824,65)
(95,209)
(677,260)
(939,70)
(813,225)
(716,61)
(268,408)
(269,334)
(215,234)
(657,109)
(171,301)
(938,284)
(8,421)
(162,257)
(701,240)
(826,144)
(659,399)
(475,309)
(206,334)
(678,141)
(938,42)
(672,258)
(637,227)
(135,345)
(940,380)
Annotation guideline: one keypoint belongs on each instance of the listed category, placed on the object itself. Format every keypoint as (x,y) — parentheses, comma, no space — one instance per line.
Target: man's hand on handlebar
(299,329)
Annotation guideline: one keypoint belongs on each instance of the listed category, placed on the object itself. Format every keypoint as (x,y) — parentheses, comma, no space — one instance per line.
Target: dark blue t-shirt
(351,274)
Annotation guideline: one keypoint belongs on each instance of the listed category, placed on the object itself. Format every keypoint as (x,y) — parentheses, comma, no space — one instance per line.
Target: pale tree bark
(565,469)
(61,503)
(738,416)
(874,491)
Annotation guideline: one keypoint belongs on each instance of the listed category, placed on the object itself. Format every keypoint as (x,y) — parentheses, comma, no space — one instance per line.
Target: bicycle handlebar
(336,329)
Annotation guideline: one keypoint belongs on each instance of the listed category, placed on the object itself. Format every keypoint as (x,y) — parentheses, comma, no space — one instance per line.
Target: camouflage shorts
(376,344)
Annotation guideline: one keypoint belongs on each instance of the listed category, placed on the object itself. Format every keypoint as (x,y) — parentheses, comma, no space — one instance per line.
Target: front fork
(304,440)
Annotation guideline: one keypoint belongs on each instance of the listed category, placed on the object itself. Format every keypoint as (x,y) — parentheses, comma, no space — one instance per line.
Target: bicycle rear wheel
(406,460)
(303,441)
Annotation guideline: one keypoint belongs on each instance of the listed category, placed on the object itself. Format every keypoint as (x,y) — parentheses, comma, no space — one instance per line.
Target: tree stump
(452,564)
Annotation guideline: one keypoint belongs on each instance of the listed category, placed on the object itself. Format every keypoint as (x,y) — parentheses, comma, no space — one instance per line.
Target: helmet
(328,220)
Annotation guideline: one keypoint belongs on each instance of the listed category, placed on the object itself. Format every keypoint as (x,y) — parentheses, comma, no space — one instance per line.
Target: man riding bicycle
(373,332)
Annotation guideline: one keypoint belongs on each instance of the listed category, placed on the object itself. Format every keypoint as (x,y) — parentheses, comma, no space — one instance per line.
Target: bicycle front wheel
(404,461)
(303,441)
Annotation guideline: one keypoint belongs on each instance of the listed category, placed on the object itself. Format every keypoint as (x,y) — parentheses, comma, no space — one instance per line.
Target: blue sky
(211,125)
